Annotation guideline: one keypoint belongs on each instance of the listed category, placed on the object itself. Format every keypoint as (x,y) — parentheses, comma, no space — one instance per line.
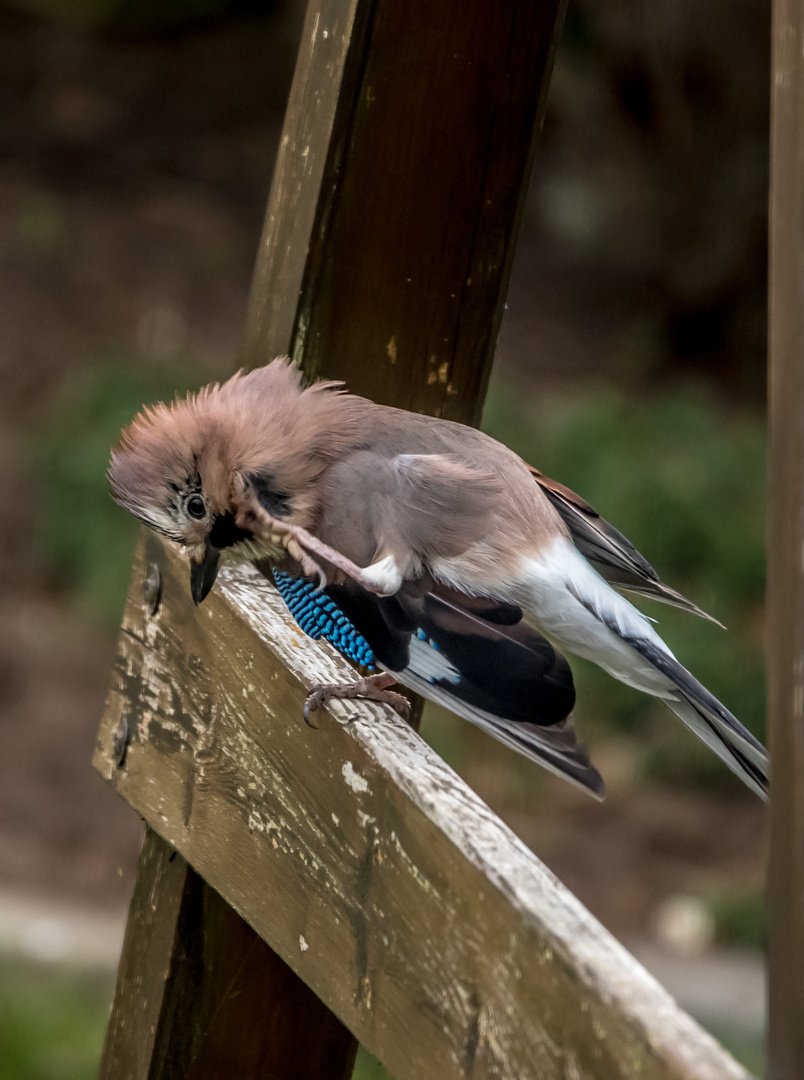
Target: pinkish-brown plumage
(262,421)
(370,481)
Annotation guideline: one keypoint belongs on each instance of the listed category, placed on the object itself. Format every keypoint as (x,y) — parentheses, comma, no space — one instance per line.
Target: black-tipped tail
(710,720)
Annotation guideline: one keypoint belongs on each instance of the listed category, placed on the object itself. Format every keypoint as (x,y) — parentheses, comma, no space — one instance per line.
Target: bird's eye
(196,507)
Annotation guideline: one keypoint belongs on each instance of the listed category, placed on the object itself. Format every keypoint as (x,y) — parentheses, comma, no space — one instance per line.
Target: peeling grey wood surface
(364,861)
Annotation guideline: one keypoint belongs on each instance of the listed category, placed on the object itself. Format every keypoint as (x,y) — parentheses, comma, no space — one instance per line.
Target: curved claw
(370,688)
(398,702)
(308,565)
(312,702)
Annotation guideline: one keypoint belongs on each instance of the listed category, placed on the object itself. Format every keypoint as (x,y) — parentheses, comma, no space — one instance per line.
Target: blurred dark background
(137,140)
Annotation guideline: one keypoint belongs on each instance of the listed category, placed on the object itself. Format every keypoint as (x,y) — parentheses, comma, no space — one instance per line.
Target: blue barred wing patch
(320,617)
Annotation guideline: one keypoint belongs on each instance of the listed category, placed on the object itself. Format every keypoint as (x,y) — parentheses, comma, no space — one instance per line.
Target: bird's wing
(475,656)
(612,554)
(411,506)
(380,514)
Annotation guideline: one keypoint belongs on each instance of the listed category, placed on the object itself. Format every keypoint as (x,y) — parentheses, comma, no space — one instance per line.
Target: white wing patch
(427,662)
(571,603)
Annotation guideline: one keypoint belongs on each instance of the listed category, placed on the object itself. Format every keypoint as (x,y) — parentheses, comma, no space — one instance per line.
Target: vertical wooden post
(397,196)
(785,613)
(200,996)
(402,172)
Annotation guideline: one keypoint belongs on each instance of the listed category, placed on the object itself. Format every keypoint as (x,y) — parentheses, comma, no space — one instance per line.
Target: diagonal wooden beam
(364,862)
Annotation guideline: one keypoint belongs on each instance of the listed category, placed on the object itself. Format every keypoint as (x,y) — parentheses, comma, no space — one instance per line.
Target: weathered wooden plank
(364,861)
(200,996)
(785,612)
(398,190)
(145,964)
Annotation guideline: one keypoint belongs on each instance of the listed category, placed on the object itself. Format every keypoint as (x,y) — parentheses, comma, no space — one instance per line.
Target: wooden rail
(302,889)
(366,864)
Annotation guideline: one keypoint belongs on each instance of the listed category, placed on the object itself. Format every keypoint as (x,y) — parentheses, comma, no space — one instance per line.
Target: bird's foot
(382,578)
(370,688)
(308,564)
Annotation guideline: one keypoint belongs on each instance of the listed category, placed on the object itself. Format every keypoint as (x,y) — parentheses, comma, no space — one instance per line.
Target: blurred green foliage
(52,1021)
(81,536)
(685,482)
(746,1047)
(368,1068)
(740,918)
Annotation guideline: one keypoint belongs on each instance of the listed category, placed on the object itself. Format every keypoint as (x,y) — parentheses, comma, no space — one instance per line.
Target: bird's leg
(371,688)
(377,578)
(302,545)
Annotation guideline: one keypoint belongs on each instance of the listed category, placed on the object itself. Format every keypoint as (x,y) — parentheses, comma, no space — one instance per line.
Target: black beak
(203,574)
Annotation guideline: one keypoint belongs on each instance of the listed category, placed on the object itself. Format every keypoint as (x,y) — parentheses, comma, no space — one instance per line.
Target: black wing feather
(708,718)
(482,661)
(612,554)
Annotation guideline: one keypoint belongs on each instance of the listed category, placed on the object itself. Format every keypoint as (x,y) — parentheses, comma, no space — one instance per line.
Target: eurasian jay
(420,547)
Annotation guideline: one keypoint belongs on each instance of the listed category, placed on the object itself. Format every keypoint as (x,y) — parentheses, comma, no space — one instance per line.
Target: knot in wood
(152,589)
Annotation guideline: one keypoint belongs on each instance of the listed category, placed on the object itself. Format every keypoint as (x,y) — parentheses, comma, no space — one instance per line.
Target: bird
(423,549)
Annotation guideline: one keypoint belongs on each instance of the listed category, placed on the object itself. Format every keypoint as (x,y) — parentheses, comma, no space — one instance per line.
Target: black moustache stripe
(224,532)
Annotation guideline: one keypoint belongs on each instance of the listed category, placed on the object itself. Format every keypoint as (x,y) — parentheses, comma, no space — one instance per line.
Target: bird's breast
(254,549)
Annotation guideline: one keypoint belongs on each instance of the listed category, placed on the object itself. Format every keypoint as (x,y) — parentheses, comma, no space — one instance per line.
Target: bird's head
(192,470)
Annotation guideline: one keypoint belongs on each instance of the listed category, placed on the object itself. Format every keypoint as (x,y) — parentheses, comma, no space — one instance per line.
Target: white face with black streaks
(201,515)
(179,512)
